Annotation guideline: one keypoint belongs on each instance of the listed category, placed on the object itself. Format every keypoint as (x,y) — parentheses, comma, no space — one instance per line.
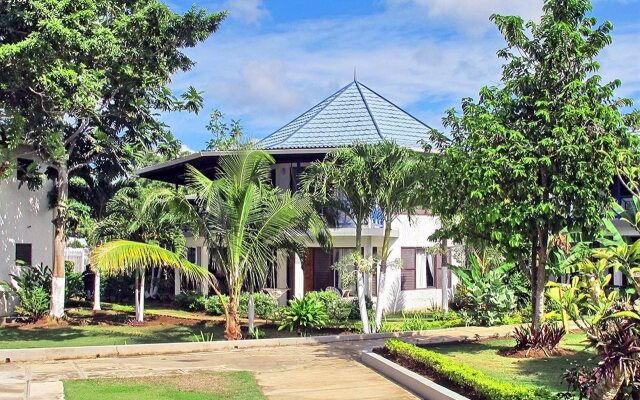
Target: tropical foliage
(247,224)
(125,257)
(303,315)
(534,155)
(488,299)
(82,85)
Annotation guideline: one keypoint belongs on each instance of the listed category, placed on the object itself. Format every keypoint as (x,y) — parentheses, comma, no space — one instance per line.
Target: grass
(194,386)
(539,372)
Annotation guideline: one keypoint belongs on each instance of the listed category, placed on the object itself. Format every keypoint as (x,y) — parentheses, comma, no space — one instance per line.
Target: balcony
(342,225)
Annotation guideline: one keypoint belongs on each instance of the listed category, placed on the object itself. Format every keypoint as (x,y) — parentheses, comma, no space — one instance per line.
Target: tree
(124,256)
(225,137)
(246,223)
(535,155)
(397,191)
(346,182)
(82,85)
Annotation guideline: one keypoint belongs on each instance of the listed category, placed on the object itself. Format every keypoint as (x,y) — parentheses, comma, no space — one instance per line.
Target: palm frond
(125,256)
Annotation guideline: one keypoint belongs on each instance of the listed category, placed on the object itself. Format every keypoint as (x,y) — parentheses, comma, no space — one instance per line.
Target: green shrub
(484,386)
(265,305)
(213,305)
(189,301)
(34,303)
(303,315)
(337,308)
(73,282)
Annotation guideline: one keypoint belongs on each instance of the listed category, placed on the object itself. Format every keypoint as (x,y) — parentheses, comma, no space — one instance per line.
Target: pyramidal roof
(353,114)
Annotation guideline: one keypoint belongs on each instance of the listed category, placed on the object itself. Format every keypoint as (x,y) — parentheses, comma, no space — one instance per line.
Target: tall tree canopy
(83,82)
(536,154)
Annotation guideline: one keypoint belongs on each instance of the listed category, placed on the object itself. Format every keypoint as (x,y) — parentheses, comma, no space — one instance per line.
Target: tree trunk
(607,390)
(136,293)
(140,313)
(59,243)
(539,276)
(382,293)
(362,303)
(96,291)
(251,311)
(444,277)
(232,329)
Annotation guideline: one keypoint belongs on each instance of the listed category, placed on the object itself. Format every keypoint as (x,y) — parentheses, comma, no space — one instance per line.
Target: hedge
(467,377)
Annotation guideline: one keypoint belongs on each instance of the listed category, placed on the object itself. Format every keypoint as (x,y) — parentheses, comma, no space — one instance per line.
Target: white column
(298,277)
(177,283)
(281,278)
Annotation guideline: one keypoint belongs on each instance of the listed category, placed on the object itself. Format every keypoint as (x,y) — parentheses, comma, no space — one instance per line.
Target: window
(194,255)
(23,253)
(418,269)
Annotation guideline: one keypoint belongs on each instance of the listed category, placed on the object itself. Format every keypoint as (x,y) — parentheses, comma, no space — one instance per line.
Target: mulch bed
(534,353)
(427,372)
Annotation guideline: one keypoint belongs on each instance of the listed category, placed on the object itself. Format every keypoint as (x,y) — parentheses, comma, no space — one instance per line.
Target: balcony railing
(339,219)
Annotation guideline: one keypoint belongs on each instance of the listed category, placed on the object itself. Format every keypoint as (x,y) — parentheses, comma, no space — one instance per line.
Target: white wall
(25,217)
(414,233)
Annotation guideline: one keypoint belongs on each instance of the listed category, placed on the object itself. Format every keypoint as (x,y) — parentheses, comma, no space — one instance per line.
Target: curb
(88,352)
(410,380)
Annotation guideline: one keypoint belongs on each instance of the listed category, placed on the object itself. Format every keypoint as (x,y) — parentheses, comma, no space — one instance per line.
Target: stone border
(410,380)
(86,352)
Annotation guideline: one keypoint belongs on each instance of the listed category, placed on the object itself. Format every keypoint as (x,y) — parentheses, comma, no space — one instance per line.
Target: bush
(189,301)
(213,305)
(488,299)
(33,288)
(73,282)
(547,337)
(265,305)
(303,315)
(336,308)
(462,375)
(34,303)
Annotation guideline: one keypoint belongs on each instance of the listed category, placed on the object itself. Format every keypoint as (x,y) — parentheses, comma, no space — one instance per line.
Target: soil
(535,353)
(428,373)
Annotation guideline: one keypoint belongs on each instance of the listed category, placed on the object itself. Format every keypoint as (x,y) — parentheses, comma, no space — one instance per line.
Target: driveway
(327,371)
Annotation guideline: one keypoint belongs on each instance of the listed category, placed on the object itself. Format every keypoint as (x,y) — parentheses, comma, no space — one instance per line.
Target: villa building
(354,114)
(26,231)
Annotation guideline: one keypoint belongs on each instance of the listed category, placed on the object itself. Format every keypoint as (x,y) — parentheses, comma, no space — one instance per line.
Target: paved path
(321,371)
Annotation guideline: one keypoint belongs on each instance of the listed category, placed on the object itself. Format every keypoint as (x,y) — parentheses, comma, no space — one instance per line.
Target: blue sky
(271,60)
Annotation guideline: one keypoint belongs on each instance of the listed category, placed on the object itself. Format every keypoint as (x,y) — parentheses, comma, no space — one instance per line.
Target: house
(353,114)
(26,231)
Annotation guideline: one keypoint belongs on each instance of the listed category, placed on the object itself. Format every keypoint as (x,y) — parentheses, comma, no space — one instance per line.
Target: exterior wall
(25,217)
(414,233)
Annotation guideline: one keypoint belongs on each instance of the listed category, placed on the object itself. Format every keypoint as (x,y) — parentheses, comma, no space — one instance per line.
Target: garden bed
(477,371)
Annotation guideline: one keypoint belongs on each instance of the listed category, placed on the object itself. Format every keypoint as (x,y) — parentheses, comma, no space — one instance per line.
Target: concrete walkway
(319,371)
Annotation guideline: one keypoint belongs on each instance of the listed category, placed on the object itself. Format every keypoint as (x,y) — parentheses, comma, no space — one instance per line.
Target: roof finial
(354,74)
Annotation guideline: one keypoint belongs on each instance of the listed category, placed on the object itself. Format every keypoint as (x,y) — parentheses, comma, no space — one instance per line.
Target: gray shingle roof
(353,114)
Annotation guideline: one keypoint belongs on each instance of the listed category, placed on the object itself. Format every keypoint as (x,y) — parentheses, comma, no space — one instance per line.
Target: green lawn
(540,372)
(194,386)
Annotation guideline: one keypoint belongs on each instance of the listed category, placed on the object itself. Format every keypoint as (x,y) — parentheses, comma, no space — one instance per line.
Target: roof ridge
(373,119)
(394,104)
(334,95)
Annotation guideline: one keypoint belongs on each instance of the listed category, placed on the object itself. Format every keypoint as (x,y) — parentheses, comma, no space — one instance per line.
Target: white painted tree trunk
(381,301)
(57,296)
(96,291)
(140,311)
(251,312)
(136,294)
(445,288)
(362,302)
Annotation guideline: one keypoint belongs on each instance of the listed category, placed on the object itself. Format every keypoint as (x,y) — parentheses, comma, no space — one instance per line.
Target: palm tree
(124,256)
(246,223)
(347,181)
(397,192)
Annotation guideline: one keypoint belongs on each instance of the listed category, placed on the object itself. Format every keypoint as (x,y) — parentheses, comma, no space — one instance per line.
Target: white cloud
(247,11)
(266,77)
(469,16)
